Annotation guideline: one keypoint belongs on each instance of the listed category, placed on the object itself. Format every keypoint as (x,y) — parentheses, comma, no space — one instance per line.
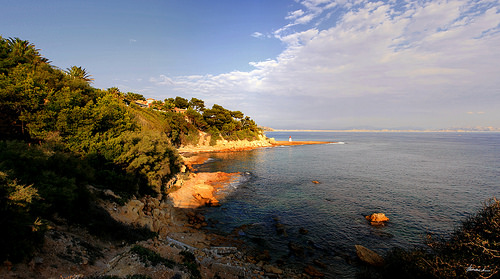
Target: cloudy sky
(303,64)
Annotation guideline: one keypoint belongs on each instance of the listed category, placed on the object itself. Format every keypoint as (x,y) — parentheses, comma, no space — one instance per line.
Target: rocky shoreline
(70,251)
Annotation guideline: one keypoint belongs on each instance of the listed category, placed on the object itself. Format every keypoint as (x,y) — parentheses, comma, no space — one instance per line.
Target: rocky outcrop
(146,212)
(377,219)
(200,189)
(225,145)
(368,256)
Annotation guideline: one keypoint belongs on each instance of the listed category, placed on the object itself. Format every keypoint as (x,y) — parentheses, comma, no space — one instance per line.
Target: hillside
(67,149)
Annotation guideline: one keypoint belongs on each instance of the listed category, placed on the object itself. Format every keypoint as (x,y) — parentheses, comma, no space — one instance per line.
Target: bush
(36,182)
(150,257)
(189,261)
(147,154)
(21,230)
(471,251)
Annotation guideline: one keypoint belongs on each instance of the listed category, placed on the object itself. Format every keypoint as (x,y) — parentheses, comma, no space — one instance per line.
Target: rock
(212,203)
(280,229)
(272,269)
(320,263)
(368,256)
(377,219)
(38,260)
(296,249)
(264,256)
(313,272)
(224,251)
(8,264)
(110,193)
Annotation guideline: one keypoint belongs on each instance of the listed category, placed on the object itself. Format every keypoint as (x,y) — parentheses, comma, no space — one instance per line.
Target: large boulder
(368,256)
(377,219)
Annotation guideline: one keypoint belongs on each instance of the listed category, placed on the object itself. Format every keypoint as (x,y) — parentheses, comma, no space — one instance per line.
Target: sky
(288,64)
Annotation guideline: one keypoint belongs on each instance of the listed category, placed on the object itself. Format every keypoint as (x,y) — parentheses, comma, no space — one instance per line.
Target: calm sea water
(424,182)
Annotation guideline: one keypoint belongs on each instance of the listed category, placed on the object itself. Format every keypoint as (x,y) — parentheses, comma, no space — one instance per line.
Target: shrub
(148,257)
(189,261)
(21,230)
(471,251)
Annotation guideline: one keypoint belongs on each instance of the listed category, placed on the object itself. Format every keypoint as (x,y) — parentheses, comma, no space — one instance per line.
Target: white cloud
(295,14)
(162,80)
(305,19)
(376,60)
(475,112)
(257,35)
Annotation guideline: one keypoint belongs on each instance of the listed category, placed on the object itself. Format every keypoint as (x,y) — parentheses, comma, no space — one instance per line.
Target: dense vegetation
(58,134)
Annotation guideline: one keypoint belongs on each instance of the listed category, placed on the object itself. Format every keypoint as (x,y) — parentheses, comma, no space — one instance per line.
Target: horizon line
(387,130)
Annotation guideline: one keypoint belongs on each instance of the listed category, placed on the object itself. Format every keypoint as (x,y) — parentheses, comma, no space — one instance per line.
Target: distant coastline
(458,130)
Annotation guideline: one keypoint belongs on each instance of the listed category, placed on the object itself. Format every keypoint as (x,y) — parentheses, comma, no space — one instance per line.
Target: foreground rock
(377,219)
(71,252)
(368,256)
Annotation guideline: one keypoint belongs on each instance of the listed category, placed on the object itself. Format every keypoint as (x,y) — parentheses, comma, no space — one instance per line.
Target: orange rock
(377,217)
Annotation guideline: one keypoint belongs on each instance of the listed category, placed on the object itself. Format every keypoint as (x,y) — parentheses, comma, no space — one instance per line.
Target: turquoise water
(424,182)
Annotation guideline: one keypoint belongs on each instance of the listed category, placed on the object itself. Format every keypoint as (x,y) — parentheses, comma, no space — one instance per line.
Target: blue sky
(303,64)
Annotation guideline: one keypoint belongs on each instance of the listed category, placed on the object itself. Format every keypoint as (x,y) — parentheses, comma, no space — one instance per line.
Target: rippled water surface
(424,182)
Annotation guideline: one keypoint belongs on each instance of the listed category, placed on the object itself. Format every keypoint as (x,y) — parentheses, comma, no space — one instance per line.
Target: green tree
(148,153)
(237,114)
(181,103)
(115,92)
(134,97)
(79,73)
(196,119)
(217,116)
(197,104)
(21,51)
(169,104)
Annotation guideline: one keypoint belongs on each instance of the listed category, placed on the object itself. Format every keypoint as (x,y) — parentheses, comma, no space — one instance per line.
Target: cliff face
(224,145)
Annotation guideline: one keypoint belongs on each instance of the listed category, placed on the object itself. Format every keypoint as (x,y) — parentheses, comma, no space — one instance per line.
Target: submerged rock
(368,256)
(280,229)
(303,231)
(296,249)
(311,271)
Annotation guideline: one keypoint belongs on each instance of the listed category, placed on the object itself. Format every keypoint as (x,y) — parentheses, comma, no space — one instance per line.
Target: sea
(425,183)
